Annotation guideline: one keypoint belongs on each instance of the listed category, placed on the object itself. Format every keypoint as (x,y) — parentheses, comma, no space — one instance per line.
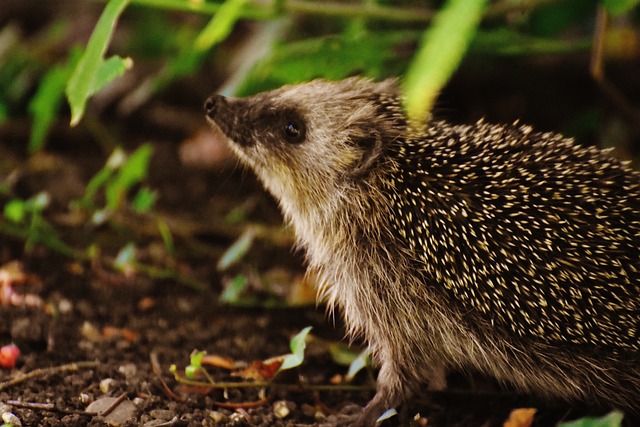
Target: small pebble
(11,418)
(107,384)
(128,370)
(162,414)
(281,409)
(236,418)
(125,411)
(65,306)
(216,416)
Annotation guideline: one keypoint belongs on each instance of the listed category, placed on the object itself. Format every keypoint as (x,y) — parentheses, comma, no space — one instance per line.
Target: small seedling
(115,181)
(27,215)
(298,345)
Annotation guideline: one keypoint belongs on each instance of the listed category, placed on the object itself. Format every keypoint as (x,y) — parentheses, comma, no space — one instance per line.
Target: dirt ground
(91,333)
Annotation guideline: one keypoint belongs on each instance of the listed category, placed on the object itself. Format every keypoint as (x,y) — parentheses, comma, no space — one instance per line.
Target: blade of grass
(441,50)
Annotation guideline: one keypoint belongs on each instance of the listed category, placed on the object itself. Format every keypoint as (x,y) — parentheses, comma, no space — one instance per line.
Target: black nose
(211,104)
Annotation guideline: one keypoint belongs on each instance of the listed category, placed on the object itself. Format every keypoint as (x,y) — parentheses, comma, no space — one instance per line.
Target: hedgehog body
(479,247)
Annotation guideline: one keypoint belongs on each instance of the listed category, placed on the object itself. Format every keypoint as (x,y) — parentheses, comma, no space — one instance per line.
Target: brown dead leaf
(218,361)
(11,274)
(129,335)
(521,417)
(259,370)
(146,303)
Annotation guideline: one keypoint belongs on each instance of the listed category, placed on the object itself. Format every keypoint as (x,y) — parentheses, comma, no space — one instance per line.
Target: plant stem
(367,10)
(269,10)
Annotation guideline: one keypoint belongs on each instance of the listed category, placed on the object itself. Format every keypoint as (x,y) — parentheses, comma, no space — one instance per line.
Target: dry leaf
(521,417)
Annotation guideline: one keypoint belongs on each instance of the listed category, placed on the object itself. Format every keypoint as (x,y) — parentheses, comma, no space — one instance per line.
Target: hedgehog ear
(371,148)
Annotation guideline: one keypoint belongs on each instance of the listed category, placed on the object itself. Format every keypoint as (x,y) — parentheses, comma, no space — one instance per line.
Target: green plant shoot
(297,345)
(195,364)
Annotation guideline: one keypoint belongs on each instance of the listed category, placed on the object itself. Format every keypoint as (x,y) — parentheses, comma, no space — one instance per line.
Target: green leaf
(234,290)
(126,257)
(96,183)
(331,57)
(237,250)
(91,72)
(113,67)
(144,200)
(360,362)
(342,354)
(618,7)
(441,50)
(165,233)
(15,210)
(613,419)
(196,358)
(134,169)
(45,104)
(191,372)
(298,346)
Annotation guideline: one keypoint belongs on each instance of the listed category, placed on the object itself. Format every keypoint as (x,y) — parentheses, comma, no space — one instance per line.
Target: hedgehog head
(310,143)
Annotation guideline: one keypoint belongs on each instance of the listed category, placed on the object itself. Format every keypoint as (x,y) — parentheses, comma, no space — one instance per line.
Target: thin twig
(114,405)
(31,405)
(242,405)
(50,407)
(157,370)
(41,372)
(264,384)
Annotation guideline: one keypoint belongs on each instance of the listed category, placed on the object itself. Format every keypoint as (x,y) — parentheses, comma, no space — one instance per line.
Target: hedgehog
(485,248)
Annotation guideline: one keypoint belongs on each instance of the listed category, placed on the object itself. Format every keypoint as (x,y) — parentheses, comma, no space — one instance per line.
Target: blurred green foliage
(115,181)
(613,419)
(311,39)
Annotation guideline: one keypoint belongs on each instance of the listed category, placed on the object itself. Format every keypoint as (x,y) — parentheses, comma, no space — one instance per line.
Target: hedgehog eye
(294,131)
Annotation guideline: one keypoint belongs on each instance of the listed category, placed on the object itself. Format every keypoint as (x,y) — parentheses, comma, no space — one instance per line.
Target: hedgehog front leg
(390,393)
(395,387)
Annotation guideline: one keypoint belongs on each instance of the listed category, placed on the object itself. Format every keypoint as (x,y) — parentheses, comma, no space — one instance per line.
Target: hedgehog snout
(212,104)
